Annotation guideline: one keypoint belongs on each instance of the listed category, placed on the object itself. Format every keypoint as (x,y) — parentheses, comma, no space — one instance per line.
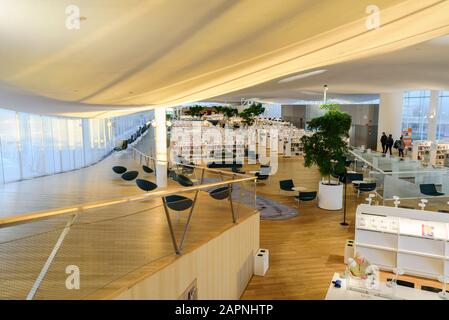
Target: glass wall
(443,116)
(415,110)
(33,145)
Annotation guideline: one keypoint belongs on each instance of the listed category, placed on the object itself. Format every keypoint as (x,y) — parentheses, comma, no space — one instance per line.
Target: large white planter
(330,197)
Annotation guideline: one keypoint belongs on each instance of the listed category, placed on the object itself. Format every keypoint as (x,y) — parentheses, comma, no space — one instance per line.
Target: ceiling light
(302,76)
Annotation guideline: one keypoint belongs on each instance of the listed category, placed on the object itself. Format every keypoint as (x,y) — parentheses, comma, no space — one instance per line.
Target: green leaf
(326,147)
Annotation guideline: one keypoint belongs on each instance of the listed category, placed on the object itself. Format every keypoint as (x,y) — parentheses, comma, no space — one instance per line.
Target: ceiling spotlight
(302,76)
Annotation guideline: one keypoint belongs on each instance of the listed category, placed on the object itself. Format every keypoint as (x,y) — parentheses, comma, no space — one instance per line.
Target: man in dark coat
(383,141)
(390,143)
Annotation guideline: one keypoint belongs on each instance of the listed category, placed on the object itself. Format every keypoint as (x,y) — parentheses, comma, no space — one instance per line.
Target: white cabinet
(416,241)
(379,239)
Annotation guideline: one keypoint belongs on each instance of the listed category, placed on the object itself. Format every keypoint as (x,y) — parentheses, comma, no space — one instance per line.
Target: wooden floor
(107,244)
(304,251)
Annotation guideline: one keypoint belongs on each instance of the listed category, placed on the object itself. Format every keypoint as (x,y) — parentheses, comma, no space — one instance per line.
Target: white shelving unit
(420,148)
(416,241)
(442,153)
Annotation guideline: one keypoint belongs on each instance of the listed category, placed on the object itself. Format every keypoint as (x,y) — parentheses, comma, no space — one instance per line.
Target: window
(9,143)
(443,116)
(414,113)
(34,145)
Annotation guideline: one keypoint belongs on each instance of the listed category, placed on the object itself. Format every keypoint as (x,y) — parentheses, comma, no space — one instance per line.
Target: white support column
(161,147)
(390,116)
(433,116)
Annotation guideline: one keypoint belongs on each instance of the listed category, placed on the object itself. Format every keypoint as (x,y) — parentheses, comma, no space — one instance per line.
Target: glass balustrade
(112,243)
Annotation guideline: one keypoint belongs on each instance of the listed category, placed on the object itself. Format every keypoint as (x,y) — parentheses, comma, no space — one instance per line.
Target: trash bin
(261,262)
(349,250)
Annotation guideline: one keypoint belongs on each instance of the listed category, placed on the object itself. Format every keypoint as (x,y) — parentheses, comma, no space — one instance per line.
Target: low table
(299,189)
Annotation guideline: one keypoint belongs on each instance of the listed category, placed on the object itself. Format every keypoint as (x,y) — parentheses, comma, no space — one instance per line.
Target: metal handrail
(72,212)
(45,214)
(425,170)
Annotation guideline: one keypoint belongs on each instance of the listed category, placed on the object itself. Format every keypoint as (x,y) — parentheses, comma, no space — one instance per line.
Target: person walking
(383,141)
(389,144)
(401,146)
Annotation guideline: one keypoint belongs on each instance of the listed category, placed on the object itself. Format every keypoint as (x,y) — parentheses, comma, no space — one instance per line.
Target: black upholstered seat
(119,169)
(146,185)
(178,203)
(220,193)
(307,196)
(366,187)
(183,180)
(147,169)
(354,177)
(261,177)
(130,175)
(429,189)
(286,185)
(236,170)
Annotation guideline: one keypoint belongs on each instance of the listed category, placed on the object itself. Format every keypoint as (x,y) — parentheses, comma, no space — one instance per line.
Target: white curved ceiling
(421,66)
(135,53)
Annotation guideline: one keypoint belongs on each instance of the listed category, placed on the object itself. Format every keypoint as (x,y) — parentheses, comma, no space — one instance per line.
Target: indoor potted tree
(249,114)
(229,112)
(195,111)
(326,148)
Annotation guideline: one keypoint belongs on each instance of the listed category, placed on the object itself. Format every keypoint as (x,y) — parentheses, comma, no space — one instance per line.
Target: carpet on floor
(269,209)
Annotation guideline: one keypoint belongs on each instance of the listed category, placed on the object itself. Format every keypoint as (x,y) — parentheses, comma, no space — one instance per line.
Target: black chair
(366,187)
(130,175)
(306,196)
(119,169)
(178,203)
(183,180)
(146,185)
(286,185)
(354,177)
(147,169)
(220,193)
(236,170)
(429,189)
(261,177)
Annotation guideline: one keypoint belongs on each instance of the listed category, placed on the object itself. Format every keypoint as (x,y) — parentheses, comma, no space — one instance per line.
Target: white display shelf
(420,245)
(372,246)
(423,229)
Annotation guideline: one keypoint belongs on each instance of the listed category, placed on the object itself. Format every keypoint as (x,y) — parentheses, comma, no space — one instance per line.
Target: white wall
(390,115)
(272,110)
(222,268)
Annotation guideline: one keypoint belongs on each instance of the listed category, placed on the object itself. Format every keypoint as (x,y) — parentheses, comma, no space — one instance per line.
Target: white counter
(385,293)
